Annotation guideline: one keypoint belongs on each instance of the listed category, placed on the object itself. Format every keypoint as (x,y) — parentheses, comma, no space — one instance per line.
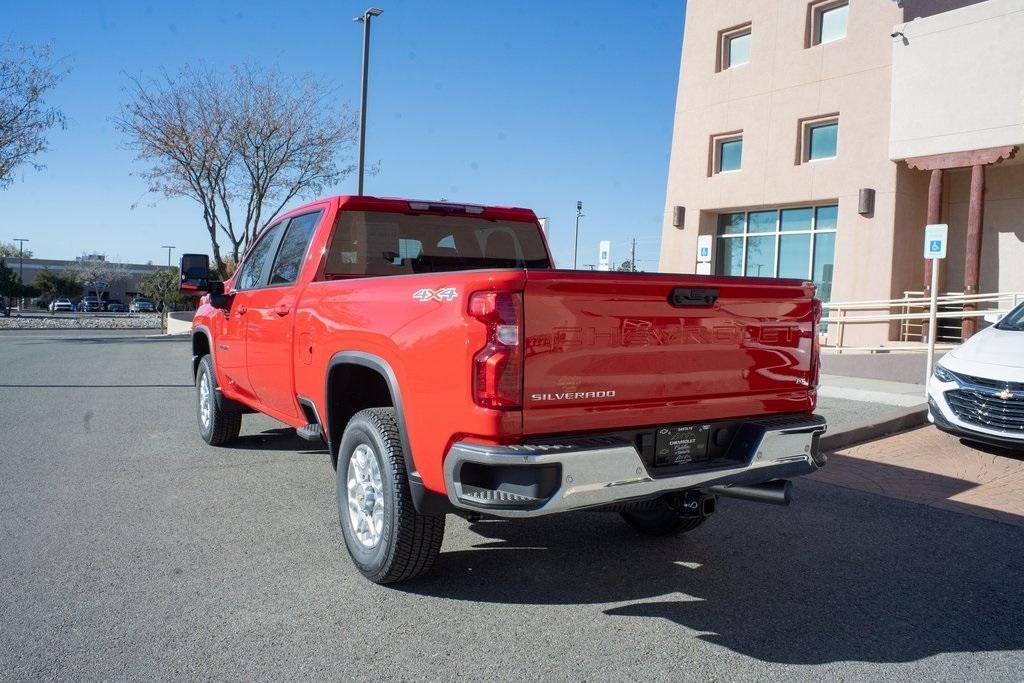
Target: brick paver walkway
(930,467)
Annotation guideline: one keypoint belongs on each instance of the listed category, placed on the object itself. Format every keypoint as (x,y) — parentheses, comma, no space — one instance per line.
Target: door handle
(283,309)
(241,310)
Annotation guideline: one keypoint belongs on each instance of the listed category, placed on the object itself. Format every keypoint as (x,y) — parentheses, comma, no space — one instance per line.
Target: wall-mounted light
(866,201)
(678,216)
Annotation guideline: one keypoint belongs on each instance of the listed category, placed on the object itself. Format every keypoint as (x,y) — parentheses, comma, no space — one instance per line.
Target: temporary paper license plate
(681,445)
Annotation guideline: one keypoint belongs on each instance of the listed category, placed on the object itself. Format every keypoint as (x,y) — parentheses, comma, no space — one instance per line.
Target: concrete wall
(766,98)
(180,322)
(1002,229)
(958,80)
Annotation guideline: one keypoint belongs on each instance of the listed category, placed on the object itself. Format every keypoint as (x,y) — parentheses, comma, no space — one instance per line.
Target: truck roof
(403,205)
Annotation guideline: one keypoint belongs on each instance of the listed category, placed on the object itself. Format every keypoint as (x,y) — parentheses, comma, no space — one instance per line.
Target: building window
(826,21)
(796,242)
(733,47)
(726,152)
(819,138)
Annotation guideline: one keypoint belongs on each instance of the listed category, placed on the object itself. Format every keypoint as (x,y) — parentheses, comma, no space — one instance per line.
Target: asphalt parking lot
(130,549)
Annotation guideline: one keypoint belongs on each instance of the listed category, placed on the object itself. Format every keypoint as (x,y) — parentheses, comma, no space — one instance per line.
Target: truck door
(232,342)
(270,319)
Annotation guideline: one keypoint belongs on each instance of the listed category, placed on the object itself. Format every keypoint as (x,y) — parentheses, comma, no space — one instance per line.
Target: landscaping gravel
(81,321)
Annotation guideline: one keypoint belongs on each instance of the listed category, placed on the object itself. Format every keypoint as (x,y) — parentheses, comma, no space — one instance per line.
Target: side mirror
(993,317)
(195,276)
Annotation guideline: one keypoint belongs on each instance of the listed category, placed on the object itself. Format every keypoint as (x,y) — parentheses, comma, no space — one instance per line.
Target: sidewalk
(859,409)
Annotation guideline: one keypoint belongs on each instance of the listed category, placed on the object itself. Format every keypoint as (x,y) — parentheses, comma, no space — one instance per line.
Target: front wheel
(217,424)
(387,539)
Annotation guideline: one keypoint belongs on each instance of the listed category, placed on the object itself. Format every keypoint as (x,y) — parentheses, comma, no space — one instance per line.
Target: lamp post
(168,248)
(576,237)
(364,19)
(21,269)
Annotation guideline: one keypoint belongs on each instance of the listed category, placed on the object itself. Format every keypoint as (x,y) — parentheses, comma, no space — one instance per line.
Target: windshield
(382,243)
(1014,320)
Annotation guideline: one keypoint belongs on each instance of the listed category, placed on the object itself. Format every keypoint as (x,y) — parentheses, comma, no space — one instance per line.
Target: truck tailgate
(607,351)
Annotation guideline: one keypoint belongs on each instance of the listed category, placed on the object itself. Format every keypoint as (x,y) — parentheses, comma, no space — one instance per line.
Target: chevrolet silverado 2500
(450,368)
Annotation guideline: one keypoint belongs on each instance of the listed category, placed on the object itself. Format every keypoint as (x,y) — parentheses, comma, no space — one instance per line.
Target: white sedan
(977,390)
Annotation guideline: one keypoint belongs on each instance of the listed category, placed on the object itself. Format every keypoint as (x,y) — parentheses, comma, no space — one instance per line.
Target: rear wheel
(387,539)
(217,424)
(659,518)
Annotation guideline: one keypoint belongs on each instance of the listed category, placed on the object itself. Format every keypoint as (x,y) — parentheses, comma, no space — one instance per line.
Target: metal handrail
(914,307)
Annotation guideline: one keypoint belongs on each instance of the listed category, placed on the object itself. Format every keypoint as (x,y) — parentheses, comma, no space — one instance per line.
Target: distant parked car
(61,305)
(89,304)
(977,391)
(117,307)
(141,305)
(107,303)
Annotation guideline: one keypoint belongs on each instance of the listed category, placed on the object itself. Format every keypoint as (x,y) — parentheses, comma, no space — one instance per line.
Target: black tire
(221,424)
(658,518)
(407,543)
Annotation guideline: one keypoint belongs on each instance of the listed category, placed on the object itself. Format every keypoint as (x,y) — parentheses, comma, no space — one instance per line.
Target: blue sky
(533,104)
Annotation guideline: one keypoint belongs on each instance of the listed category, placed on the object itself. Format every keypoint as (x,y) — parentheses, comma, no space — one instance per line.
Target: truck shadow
(840,576)
(277,439)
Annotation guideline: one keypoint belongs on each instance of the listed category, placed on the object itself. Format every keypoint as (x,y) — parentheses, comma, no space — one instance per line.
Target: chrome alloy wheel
(365,496)
(205,400)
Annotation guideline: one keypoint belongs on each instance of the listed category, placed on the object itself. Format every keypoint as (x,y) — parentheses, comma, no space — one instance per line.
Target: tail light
(498,366)
(816,345)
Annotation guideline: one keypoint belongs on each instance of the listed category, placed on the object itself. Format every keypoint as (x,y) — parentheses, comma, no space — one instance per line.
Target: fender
(425,502)
(222,400)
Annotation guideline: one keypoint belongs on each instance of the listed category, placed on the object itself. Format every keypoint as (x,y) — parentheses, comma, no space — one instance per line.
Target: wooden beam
(934,216)
(974,157)
(972,263)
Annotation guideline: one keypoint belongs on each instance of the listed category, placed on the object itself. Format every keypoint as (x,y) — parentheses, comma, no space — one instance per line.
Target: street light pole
(21,269)
(163,302)
(576,238)
(365,21)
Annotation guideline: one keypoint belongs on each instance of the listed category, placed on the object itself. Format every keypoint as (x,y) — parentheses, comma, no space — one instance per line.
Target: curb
(898,421)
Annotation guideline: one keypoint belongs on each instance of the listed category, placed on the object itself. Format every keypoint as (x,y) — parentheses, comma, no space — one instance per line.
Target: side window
(293,248)
(254,270)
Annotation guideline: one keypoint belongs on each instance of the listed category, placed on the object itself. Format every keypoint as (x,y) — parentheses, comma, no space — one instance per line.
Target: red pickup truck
(449,368)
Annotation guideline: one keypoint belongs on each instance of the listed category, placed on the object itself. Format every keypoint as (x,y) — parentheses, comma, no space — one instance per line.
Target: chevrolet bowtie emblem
(1005,394)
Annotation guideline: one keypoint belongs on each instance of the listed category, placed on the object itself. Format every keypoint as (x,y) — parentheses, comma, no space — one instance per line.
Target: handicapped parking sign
(935,239)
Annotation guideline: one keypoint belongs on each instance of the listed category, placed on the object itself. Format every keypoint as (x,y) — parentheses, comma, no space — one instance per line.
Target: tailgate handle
(690,296)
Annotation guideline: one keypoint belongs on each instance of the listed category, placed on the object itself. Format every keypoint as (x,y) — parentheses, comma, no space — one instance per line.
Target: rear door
(615,351)
(271,319)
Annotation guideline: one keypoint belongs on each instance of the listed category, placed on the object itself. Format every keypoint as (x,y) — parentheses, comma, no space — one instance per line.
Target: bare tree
(27,74)
(95,272)
(241,146)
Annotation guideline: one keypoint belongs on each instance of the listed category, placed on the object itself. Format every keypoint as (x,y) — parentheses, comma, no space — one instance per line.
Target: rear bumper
(577,474)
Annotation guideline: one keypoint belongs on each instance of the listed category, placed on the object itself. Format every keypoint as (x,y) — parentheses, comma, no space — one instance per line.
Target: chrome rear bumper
(580,474)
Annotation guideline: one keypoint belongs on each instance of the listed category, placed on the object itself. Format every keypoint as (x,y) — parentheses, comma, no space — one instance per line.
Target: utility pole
(576,238)
(163,303)
(364,19)
(21,269)
(632,257)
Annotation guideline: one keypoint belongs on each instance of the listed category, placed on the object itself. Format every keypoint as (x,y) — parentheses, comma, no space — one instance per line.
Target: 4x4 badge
(445,294)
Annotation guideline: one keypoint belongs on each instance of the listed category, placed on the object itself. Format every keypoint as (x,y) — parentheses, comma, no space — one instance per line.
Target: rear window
(380,243)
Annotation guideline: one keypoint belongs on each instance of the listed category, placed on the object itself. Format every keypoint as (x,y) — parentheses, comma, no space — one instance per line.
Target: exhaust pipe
(775,492)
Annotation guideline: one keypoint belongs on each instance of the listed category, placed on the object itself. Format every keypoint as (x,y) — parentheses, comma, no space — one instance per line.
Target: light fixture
(678,216)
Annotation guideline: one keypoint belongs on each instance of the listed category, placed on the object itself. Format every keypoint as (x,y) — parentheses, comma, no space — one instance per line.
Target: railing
(912,316)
